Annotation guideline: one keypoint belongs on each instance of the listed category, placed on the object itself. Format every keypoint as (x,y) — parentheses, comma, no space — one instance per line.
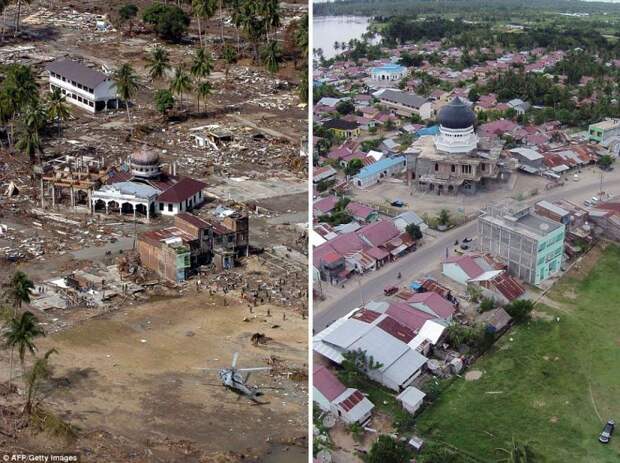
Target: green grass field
(549,385)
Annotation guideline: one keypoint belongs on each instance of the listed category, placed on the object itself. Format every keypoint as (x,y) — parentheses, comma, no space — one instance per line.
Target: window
(483,167)
(161,206)
(436,167)
(453,168)
(169,207)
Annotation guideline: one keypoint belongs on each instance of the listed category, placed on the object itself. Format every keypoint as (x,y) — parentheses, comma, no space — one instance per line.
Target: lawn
(548,383)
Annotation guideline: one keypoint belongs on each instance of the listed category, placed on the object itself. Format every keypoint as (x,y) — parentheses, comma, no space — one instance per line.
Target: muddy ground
(135,374)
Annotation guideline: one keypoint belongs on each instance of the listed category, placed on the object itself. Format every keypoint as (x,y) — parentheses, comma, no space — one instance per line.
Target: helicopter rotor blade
(247,377)
(235,357)
(254,369)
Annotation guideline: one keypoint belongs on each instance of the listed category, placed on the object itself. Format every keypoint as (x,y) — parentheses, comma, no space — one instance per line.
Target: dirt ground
(135,373)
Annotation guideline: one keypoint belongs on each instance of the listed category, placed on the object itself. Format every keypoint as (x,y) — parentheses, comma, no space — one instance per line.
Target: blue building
(390,72)
(386,167)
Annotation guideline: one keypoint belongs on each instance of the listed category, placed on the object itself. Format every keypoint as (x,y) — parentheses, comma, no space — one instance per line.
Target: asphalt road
(426,258)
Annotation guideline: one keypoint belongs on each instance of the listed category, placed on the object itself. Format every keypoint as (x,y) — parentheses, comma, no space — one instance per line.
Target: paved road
(428,257)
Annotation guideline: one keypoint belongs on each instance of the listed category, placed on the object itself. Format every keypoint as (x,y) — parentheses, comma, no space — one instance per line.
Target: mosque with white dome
(455,160)
(144,189)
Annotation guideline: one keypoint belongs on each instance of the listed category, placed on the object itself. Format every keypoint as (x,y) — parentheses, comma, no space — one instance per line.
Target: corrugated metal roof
(72,70)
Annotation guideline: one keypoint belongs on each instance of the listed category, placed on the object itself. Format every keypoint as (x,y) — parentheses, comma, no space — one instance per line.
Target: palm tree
(270,10)
(230,56)
(39,372)
(18,290)
(20,334)
(203,91)
(57,108)
(19,13)
(203,9)
(271,57)
(158,62)
(29,143)
(516,453)
(126,83)
(202,64)
(181,82)
(164,101)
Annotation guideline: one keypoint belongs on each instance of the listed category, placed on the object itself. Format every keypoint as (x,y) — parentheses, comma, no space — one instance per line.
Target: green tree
(606,161)
(18,290)
(487,304)
(126,84)
(169,21)
(356,363)
(230,57)
(19,334)
(164,101)
(181,83)
(386,449)
(19,14)
(127,14)
(203,91)
(414,231)
(345,107)
(444,217)
(158,62)
(203,10)
(520,309)
(57,108)
(272,56)
(38,374)
(353,167)
(202,64)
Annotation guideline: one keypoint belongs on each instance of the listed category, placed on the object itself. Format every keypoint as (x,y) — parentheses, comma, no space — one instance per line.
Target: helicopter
(232,378)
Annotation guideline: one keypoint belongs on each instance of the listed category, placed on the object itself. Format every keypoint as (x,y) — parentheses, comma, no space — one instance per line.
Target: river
(330,29)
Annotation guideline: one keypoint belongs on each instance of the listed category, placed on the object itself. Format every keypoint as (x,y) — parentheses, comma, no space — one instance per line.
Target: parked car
(587,203)
(389,290)
(397,203)
(467,240)
(608,430)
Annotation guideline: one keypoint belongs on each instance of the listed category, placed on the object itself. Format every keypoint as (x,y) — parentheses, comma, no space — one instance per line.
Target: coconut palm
(271,56)
(39,372)
(203,9)
(29,143)
(18,289)
(230,56)
(270,10)
(181,82)
(57,108)
(20,334)
(202,64)
(126,84)
(158,62)
(203,90)
(19,13)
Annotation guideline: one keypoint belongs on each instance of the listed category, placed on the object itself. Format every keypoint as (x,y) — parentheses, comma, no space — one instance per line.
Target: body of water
(330,29)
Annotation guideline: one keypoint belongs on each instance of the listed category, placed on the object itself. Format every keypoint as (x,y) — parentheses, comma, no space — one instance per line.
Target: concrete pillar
(71,193)
(107,207)
(148,213)
(42,194)
(53,196)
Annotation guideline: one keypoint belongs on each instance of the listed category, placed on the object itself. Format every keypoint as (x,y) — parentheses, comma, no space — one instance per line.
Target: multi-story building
(174,253)
(455,159)
(603,131)
(405,104)
(530,245)
(82,86)
(389,72)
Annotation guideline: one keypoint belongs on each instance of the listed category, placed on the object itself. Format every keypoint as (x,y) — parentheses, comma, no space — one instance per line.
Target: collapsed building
(139,187)
(180,251)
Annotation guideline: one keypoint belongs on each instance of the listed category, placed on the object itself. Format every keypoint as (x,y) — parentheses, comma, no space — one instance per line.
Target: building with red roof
(348,404)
